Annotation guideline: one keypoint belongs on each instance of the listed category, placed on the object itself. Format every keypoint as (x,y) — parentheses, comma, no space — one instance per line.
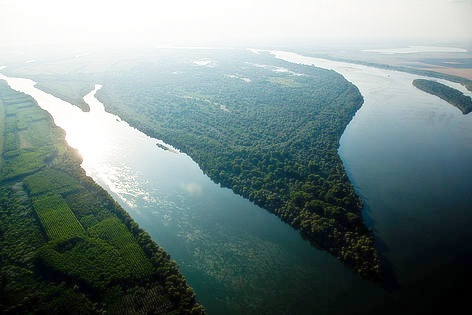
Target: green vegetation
(450,95)
(66,247)
(66,90)
(56,218)
(267,129)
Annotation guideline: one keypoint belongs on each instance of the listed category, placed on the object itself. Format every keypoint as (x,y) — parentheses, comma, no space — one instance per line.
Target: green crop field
(51,180)
(56,217)
(88,260)
(116,234)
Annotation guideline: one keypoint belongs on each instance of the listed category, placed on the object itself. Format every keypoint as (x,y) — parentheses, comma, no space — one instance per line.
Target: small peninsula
(450,95)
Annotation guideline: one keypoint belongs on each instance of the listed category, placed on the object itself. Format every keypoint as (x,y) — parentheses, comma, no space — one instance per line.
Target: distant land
(451,63)
(450,95)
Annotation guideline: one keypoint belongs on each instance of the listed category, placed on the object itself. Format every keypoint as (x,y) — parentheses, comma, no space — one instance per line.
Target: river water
(407,153)
(409,156)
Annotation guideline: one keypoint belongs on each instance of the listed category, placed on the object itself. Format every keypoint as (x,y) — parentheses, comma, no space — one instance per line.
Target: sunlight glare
(87,135)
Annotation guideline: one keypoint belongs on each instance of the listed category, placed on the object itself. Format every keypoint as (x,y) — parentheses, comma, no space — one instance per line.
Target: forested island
(66,247)
(450,95)
(267,129)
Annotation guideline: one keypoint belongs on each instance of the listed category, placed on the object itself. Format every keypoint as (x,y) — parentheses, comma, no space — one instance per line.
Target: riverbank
(66,245)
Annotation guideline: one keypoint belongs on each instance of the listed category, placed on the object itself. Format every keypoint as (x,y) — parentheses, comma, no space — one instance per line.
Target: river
(407,153)
(409,156)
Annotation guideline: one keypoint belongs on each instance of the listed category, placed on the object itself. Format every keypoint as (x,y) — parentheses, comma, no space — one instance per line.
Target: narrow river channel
(407,153)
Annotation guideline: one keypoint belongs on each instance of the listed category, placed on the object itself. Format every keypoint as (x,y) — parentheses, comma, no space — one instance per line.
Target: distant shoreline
(450,95)
(457,75)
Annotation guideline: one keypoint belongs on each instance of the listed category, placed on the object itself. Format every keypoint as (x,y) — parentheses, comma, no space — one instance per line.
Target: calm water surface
(409,156)
(407,153)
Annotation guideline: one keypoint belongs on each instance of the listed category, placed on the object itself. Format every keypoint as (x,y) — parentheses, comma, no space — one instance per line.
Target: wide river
(407,153)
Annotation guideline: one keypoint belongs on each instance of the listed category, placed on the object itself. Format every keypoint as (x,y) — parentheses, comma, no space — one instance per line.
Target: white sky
(174,22)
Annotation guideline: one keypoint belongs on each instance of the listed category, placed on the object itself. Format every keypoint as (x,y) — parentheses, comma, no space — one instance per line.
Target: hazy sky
(183,22)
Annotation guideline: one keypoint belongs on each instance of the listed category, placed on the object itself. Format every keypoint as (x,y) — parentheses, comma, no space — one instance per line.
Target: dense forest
(66,247)
(450,95)
(267,129)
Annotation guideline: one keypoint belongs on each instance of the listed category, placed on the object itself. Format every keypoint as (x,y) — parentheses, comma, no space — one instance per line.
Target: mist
(56,24)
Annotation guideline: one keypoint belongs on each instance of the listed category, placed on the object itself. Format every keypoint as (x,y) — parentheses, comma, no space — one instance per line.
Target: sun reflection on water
(97,135)
(87,135)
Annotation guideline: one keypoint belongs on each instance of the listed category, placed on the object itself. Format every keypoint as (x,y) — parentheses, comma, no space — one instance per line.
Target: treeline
(447,93)
(267,129)
(66,247)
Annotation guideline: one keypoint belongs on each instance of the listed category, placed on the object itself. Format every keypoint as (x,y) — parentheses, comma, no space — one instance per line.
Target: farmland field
(57,218)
